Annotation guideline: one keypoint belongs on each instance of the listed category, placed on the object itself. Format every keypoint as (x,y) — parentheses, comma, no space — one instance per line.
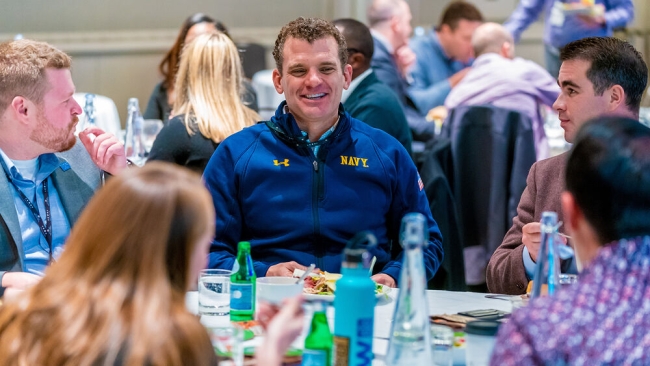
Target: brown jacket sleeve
(505,271)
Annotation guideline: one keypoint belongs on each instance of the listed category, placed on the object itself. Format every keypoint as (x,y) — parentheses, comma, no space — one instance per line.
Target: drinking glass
(150,130)
(442,345)
(214,297)
(228,342)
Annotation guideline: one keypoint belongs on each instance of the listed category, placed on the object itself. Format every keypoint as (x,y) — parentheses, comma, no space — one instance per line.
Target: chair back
(492,151)
(253,57)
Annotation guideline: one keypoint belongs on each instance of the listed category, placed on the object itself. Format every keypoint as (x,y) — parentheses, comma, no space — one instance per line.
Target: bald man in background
(498,78)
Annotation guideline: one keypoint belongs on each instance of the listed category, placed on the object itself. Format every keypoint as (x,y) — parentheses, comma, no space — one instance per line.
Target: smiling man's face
(312,79)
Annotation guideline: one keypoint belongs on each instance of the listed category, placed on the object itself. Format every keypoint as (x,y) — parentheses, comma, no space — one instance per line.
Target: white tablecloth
(439,302)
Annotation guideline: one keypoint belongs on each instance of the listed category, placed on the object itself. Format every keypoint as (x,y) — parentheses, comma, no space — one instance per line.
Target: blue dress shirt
(35,247)
(432,68)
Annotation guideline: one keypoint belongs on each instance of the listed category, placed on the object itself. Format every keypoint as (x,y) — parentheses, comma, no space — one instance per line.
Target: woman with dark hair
(162,98)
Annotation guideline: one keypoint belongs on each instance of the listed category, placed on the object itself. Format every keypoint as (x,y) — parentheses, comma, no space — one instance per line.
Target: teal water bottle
(354,305)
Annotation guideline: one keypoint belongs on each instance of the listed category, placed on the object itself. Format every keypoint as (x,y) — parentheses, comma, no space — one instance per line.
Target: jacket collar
(283,125)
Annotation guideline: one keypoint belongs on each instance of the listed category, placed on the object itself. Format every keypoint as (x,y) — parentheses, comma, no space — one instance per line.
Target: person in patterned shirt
(605,318)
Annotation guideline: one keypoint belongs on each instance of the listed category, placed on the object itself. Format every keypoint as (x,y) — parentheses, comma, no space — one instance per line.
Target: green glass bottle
(318,344)
(242,285)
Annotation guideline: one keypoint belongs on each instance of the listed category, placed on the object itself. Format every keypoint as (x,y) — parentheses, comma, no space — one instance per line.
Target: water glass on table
(150,129)
(228,342)
(214,297)
(442,345)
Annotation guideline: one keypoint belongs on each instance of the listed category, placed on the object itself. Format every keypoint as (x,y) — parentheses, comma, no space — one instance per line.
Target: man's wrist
(529,264)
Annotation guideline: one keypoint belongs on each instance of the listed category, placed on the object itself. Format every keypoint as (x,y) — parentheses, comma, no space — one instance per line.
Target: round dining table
(438,302)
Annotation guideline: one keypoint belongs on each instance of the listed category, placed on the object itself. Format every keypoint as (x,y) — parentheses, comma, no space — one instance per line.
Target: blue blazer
(387,72)
(375,104)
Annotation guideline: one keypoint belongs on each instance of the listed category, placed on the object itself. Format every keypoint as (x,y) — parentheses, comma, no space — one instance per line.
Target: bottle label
(241,296)
(314,357)
(341,351)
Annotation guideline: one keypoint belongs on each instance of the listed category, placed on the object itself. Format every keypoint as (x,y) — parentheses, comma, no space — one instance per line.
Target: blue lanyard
(46,227)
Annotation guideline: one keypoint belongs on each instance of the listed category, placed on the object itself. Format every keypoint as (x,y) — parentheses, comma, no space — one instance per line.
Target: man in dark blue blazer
(367,98)
(390,23)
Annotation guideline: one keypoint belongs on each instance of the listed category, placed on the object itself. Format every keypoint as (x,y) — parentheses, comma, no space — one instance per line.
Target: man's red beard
(54,139)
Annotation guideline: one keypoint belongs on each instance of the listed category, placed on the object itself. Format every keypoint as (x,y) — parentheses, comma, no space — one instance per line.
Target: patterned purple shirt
(604,319)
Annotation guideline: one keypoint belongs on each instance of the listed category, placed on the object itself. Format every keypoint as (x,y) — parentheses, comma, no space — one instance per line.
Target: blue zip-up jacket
(269,188)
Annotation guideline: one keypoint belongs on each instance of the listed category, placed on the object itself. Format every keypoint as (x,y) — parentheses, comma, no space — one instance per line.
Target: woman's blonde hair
(209,86)
(116,295)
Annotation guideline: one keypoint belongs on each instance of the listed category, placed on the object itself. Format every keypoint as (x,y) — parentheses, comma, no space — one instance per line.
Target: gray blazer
(74,186)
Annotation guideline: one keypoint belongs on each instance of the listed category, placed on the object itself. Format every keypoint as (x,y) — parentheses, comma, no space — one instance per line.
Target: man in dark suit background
(390,24)
(368,99)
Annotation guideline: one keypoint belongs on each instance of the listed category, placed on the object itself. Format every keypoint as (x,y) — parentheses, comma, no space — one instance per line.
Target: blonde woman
(207,107)
(116,295)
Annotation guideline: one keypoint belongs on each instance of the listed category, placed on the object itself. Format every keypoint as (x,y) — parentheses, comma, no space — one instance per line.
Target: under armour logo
(285,162)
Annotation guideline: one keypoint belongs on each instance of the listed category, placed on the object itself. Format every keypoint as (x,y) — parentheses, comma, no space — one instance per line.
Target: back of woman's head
(117,291)
(142,225)
(209,85)
(169,65)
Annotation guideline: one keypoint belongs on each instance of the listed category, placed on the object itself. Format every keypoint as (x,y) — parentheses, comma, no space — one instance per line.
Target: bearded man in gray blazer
(42,193)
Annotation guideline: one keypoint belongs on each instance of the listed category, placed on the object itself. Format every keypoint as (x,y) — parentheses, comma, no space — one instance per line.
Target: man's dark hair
(357,36)
(310,30)
(613,62)
(458,10)
(608,173)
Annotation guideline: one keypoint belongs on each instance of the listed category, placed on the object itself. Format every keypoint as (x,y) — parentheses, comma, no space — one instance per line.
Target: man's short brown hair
(22,69)
(458,10)
(310,30)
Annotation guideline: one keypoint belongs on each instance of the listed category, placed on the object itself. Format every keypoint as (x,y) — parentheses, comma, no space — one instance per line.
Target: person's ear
(347,74)
(22,109)
(507,50)
(445,29)
(277,81)
(356,60)
(616,96)
(572,213)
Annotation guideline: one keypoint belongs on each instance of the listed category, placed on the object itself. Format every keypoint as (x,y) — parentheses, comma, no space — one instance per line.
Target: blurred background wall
(116,45)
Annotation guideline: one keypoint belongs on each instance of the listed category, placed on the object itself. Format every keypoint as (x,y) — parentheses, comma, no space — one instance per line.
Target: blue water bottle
(354,305)
(547,268)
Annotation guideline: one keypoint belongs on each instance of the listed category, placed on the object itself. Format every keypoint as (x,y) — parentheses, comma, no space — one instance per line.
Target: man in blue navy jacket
(299,186)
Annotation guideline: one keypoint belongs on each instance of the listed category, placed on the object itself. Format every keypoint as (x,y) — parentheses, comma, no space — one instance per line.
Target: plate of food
(322,286)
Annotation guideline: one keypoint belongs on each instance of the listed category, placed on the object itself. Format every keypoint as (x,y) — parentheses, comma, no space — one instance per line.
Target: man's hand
(457,77)
(404,58)
(532,237)
(19,280)
(105,149)
(384,279)
(596,19)
(284,269)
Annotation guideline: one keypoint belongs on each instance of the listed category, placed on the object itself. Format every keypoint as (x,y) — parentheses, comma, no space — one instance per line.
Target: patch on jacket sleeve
(420,183)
